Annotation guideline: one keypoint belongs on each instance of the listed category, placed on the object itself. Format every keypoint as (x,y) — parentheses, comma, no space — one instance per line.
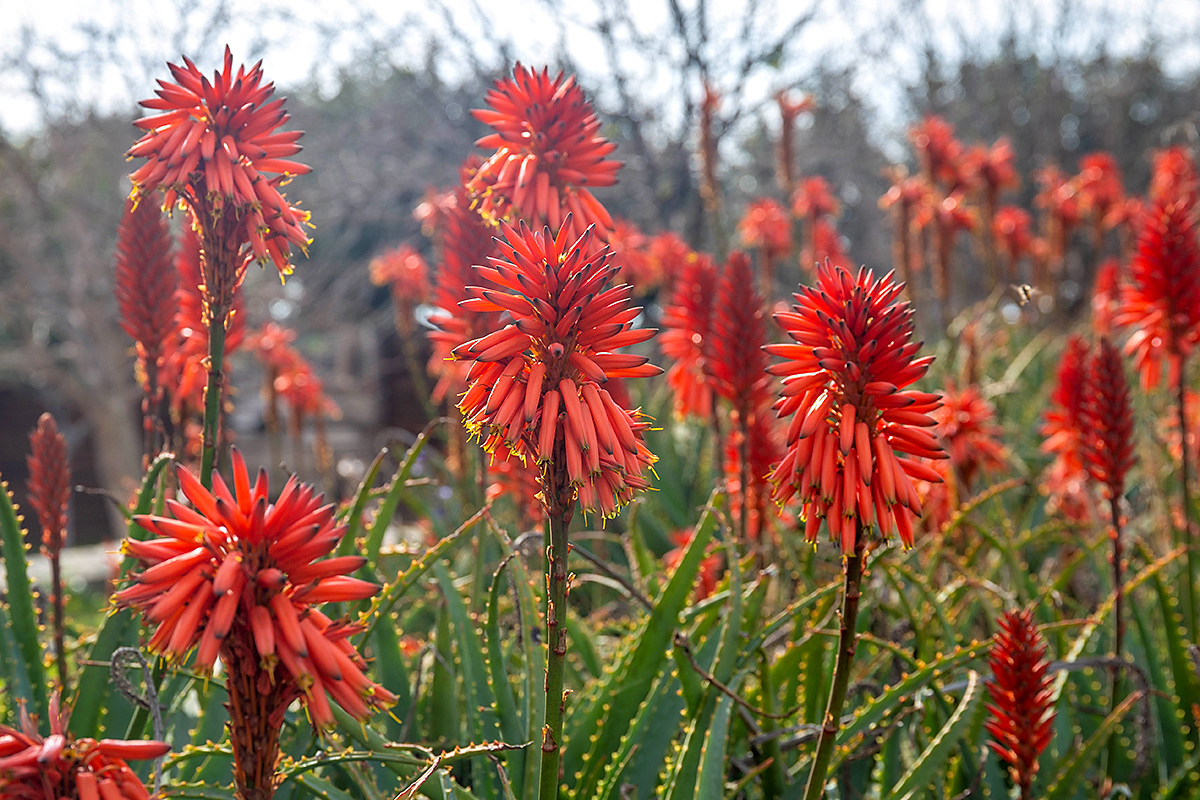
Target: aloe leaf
(387,507)
(22,616)
(348,546)
(933,758)
(1069,775)
(627,684)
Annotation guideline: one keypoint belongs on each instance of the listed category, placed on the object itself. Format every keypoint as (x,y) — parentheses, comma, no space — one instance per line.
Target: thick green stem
(556,640)
(212,395)
(847,642)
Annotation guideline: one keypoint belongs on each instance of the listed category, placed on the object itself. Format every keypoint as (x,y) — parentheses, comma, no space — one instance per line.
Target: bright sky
(287,33)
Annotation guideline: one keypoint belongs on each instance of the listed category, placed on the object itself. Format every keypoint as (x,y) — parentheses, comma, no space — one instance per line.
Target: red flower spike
(668,256)
(536,386)
(686,337)
(1100,187)
(240,569)
(405,272)
(738,332)
(992,168)
(1106,417)
(814,199)
(213,146)
(1161,300)
(1011,230)
(844,383)
(966,426)
(548,151)
(145,283)
(49,484)
(1022,709)
(939,151)
(767,227)
(1062,427)
(1174,177)
(33,767)
(762,453)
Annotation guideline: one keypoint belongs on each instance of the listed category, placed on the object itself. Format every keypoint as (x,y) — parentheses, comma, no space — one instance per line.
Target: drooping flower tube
(536,386)
(852,419)
(548,152)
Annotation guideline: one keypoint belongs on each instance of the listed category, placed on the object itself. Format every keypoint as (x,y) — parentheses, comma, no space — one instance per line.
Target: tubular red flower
(146,283)
(762,453)
(844,380)
(631,250)
(235,568)
(1022,692)
(686,337)
(992,168)
(1011,230)
(212,146)
(33,767)
(1174,179)
(1106,417)
(49,484)
(536,386)
(548,152)
(1161,301)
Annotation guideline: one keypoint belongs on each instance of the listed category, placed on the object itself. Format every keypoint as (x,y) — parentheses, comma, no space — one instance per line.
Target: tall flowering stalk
(536,390)
(844,379)
(1161,303)
(145,288)
(687,334)
(1022,691)
(238,577)
(36,767)
(49,491)
(211,148)
(1106,416)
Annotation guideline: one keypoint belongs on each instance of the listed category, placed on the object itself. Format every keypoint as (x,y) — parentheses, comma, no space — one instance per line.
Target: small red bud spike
(1107,420)
(49,490)
(1022,711)
(145,288)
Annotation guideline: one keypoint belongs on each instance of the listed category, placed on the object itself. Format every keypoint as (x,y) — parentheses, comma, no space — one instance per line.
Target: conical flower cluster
(536,386)
(687,336)
(548,151)
(33,767)
(49,482)
(1161,301)
(1106,419)
(145,284)
(213,145)
(1022,689)
(234,563)
(844,382)
(1062,428)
